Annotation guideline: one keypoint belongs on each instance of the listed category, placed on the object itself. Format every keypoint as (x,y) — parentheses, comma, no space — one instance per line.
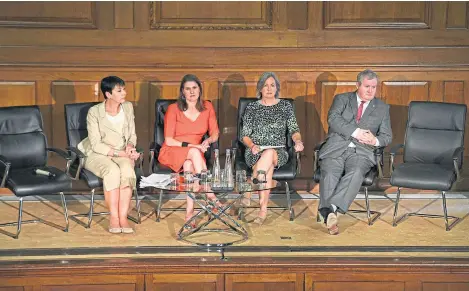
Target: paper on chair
(270,147)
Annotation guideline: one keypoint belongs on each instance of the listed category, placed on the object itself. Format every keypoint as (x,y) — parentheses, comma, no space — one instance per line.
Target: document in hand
(155,180)
(270,147)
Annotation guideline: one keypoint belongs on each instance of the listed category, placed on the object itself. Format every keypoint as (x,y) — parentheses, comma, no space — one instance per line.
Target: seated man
(358,123)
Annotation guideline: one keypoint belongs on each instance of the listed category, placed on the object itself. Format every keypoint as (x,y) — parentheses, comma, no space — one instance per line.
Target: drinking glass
(188,178)
(174,179)
(204,177)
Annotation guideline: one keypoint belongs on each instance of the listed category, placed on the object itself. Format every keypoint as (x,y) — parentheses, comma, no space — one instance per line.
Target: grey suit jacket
(342,123)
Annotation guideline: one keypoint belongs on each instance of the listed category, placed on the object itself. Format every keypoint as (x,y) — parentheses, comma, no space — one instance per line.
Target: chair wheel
(292,215)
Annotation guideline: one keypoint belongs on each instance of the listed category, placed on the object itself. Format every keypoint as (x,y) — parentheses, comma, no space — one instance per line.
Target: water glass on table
(174,179)
(241,179)
(188,179)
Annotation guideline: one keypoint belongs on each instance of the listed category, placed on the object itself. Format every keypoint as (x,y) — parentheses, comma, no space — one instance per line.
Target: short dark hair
(182,103)
(109,83)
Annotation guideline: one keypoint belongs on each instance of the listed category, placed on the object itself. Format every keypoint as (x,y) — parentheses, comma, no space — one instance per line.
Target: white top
(118,122)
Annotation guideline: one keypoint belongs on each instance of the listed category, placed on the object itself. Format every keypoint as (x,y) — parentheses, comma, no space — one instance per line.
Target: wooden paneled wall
(307,273)
(52,53)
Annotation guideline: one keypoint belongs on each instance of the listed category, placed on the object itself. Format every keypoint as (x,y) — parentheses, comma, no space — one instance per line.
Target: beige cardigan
(102,137)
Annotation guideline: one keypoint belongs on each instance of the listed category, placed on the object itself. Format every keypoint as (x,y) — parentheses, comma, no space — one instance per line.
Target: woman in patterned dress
(264,124)
(186,122)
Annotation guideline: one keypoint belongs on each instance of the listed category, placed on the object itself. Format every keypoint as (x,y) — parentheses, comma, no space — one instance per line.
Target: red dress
(181,128)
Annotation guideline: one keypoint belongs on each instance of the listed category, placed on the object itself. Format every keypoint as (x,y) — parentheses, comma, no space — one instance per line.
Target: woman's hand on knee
(201,147)
(255,149)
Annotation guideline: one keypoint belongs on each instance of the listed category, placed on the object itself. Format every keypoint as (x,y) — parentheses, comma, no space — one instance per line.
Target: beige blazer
(101,135)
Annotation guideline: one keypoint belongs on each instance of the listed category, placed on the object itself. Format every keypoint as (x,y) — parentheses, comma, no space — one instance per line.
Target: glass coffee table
(227,231)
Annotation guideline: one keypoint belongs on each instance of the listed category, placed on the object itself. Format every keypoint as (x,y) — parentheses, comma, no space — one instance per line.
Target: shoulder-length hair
(182,103)
(261,83)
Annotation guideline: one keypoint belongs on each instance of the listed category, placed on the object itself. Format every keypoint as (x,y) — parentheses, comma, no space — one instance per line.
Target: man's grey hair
(366,74)
(261,83)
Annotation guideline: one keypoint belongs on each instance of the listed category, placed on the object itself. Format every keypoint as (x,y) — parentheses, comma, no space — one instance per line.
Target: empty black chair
(76,129)
(23,149)
(161,106)
(285,173)
(370,178)
(433,152)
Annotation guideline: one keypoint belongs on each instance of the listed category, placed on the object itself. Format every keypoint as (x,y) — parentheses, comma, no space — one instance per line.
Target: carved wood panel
(211,15)
(185,282)
(457,15)
(17,93)
(271,282)
(358,286)
(396,15)
(48,14)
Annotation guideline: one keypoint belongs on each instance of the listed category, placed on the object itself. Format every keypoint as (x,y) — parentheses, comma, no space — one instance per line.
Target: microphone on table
(43,173)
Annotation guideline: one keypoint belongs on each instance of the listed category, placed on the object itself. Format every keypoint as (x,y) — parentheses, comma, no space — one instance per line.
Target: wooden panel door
(265,282)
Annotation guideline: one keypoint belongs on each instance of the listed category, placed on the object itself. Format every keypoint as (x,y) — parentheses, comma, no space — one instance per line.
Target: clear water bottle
(216,170)
(229,170)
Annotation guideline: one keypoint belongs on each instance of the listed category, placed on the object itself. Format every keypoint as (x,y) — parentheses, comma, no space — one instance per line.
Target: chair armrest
(7,165)
(298,162)
(81,156)
(60,152)
(64,155)
(316,153)
(154,152)
(379,160)
(456,154)
(393,153)
(395,149)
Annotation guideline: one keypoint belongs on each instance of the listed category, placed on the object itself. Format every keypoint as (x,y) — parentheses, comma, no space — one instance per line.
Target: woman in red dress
(186,122)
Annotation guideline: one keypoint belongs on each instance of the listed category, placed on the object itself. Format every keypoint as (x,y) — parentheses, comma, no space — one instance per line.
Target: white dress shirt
(355,133)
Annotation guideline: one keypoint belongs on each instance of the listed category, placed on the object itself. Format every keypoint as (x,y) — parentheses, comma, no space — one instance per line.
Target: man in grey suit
(358,123)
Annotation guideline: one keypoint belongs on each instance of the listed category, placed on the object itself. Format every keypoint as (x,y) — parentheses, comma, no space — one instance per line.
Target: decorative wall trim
(264,22)
(335,23)
(88,22)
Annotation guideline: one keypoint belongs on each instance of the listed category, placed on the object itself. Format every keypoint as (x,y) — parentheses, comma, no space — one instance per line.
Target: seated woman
(186,122)
(110,150)
(264,124)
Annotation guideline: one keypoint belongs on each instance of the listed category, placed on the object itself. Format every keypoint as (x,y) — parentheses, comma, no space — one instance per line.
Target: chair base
(448,226)
(91,212)
(445,215)
(372,216)
(20,221)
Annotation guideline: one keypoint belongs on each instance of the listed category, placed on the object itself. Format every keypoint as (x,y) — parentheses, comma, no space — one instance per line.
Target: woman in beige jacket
(110,150)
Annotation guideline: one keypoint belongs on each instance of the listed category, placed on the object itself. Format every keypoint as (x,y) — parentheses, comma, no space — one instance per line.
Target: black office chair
(370,177)
(23,148)
(161,106)
(76,129)
(433,152)
(285,173)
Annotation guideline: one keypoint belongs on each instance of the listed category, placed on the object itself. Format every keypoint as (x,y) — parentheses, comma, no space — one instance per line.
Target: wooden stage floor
(418,254)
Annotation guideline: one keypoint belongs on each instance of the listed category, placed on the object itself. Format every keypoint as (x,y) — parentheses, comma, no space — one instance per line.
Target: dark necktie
(360,111)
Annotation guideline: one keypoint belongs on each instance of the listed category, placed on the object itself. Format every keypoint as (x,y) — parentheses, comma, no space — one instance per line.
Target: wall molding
(157,21)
